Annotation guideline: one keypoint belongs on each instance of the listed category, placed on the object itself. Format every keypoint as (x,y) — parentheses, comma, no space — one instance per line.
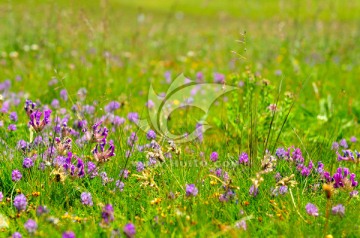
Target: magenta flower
(68,234)
(20,202)
(191,190)
(214,156)
(36,122)
(13,116)
(107,214)
(129,230)
(12,127)
(16,175)
(1,196)
(112,106)
(86,199)
(28,163)
(30,226)
(338,210)
(243,158)
(151,135)
(312,210)
(64,95)
(101,154)
(16,235)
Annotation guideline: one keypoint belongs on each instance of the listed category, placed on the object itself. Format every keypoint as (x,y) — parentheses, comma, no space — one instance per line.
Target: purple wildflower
(151,135)
(1,196)
(86,199)
(20,202)
(280,153)
(129,230)
(16,235)
(354,193)
(31,226)
(335,146)
(150,104)
(112,106)
(338,210)
(102,155)
(68,234)
(16,175)
(243,158)
(40,210)
(353,139)
(13,116)
(12,127)
(253,191)
(91,169)
(36,122)
(283,190)
(214,156)
(55,103)
(191,190)
(133,117)
(219,78)
(312,210)
(343,144)
(241,225)
(120,185)
(64,95)
(28,163)
(140,166)
(107,214)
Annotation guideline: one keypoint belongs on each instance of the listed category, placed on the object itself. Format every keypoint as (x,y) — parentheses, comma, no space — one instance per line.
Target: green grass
(313,43)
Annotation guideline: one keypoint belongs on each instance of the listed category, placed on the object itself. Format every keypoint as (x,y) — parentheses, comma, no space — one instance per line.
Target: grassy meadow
(280,158)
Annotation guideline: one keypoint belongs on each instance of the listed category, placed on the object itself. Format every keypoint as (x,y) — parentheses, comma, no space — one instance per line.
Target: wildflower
(68,234)
(335,146)
(120,185)
(280,153)
(105,179)
(107,214)
(214,156)
(272,107)
(13,116)
(132,139)
(243,158)
(112,106)
(219,78)
(64,95)
(140,166)
(1,196)
(12,127)
(353,139)
(98,134)
(86,199)
(151,135)
(30,226)
(191,190)
(101,155)
(200,132)
(354,193)
(16,235)
(29,107)
(150,104)
(343,144)
(16,175)
(20,202)
(338,210)
(283,190)
(124,173)
(253,191)
(28,163)
(41,210)
(133,117)
(35,118)
(91,169)
(129,230)
(312,210)
(277,177)
(55,103)
(241,225)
